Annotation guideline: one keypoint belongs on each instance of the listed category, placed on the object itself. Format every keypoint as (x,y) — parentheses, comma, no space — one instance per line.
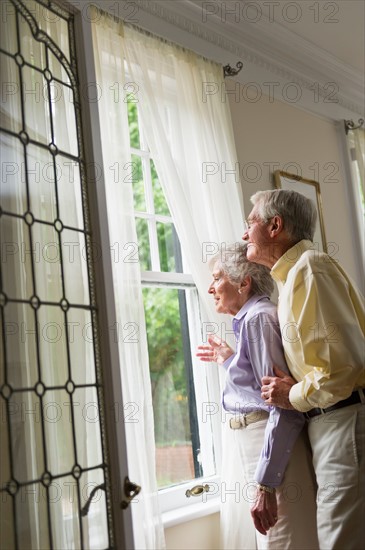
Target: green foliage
(167,367)
(133,123)
(158,194)
(143,244)
(165,246)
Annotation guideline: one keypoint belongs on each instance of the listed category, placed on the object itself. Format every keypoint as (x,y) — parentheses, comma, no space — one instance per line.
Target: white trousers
(338,445)
(296,527)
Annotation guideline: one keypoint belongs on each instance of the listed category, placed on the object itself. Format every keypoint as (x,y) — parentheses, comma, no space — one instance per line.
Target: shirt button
(279,474)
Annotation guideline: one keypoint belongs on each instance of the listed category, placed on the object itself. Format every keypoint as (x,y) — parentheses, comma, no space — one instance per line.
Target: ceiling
(313,43)
(335,27)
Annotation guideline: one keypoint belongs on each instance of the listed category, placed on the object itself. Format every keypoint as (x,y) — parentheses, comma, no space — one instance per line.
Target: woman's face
(227,299)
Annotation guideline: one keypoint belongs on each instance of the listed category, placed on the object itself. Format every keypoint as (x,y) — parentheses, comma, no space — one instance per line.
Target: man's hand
(275,389)
(265,511)
(218,351)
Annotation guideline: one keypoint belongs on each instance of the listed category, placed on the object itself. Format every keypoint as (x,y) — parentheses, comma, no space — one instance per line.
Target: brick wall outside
(174,464)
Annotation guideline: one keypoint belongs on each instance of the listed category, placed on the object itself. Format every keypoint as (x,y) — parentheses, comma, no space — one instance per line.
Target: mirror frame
(282,181)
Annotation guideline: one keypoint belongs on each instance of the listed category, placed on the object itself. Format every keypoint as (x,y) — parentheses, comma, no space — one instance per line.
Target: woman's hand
(217,351)
(264,511)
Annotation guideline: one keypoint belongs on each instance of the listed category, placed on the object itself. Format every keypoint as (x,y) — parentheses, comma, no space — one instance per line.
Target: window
(355,145)
(172,323)
(357,151)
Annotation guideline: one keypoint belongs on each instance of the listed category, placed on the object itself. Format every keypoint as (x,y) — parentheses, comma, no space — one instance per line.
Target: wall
(199,534)
(272,134)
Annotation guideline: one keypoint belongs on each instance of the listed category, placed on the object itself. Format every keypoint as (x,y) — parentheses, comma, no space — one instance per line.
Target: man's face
(257,236)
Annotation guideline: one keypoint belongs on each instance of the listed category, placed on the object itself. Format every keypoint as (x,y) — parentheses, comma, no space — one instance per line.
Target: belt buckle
(235,424)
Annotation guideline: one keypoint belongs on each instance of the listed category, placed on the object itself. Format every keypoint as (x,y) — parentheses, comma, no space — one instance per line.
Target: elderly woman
(268,451)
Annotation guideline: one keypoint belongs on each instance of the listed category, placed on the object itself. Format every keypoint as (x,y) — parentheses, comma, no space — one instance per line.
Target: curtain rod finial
(230,71)
(350,125)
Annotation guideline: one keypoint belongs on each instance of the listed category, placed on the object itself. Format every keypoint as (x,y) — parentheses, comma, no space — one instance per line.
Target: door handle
(131,490)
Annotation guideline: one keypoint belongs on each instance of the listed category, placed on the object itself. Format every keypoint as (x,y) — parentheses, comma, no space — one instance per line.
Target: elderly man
(322,320)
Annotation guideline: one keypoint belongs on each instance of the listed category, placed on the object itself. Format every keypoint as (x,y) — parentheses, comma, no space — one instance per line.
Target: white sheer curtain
(191,140)
(109,56)
(189,132)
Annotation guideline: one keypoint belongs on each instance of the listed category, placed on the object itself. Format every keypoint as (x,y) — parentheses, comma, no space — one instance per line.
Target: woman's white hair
(232,260)
(297,212)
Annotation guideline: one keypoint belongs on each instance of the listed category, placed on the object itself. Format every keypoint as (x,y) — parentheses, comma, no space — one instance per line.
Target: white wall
(277,133)
(271,134)
(199,534)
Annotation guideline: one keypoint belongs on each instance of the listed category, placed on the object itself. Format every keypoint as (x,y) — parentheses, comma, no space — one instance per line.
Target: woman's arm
(265,349)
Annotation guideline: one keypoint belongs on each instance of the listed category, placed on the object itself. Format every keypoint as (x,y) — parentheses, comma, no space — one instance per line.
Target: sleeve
(228,361)
(328,351)
(283,427)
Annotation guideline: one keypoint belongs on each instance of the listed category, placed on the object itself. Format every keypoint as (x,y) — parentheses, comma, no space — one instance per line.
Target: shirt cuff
(268,475)
(296,399)
(228,361)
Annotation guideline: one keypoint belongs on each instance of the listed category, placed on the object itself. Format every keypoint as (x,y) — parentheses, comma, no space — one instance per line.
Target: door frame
(112,381)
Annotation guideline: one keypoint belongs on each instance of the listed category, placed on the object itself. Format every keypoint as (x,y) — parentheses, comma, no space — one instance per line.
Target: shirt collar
(280,270)
(250,302)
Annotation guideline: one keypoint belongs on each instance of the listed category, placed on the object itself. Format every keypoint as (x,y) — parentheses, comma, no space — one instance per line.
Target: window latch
(197,490)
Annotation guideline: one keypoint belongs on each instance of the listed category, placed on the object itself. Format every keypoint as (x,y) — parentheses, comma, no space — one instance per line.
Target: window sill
(189,513)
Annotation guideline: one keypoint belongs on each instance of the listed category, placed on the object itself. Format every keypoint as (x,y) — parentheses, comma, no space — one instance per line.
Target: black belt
(352,400)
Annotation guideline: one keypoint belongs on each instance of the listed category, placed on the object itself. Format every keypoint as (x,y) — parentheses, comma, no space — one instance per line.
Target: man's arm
(326,353)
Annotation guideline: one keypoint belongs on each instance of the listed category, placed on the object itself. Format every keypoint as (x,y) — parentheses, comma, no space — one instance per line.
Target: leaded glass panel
(53,466)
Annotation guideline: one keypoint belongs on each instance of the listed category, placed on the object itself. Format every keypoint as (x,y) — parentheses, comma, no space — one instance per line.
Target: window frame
(353,192)
(103,271)
(175,505)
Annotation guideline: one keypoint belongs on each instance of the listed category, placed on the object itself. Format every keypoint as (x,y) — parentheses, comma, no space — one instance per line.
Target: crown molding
(268,49)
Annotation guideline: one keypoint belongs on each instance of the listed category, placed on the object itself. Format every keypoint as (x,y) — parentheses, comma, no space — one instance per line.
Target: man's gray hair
(232,260)
(297,212)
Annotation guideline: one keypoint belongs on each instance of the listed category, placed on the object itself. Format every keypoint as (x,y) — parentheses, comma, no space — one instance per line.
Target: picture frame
(311,190)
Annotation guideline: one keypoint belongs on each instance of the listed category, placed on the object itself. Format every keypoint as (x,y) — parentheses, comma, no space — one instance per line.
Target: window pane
(10,107)
(158,195)
(8,41)
(62,103)
(36,106)
(143,244)
(173,399)
(21,345)
(16,258)
(57,70)
(33,52)
(133,125)
(136,177)
(13,186)
(42,186)
(69,192)
(169,247)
